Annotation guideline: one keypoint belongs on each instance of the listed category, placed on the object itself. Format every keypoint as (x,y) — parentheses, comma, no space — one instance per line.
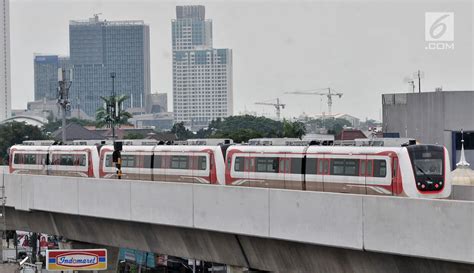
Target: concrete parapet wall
(437,229)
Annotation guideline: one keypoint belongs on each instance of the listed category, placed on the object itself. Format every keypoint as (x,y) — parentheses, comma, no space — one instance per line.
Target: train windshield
(428,166)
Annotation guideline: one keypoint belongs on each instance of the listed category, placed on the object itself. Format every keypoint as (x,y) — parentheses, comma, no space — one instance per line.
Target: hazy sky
(359,48)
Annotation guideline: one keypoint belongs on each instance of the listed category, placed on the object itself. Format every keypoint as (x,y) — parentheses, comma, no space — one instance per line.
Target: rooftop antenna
(420,75)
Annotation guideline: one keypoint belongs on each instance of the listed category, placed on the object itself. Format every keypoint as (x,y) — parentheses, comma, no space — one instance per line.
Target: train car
(168,163)
(78,161)
(414,171)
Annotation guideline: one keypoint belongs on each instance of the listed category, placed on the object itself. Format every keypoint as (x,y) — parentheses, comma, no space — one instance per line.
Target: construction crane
(329,94)
(278,106)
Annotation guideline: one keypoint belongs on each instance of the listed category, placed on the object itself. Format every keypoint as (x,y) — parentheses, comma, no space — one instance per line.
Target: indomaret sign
(77,259)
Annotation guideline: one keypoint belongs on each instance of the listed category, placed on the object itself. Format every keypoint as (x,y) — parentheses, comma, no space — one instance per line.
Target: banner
(76,259)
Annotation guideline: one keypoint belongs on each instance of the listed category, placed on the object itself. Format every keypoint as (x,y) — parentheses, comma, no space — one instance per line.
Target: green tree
(103,117)
(243,128)
(182,133)
(293,129)
(12,133)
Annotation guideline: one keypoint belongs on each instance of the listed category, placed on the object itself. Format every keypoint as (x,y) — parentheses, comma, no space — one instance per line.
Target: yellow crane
(278,106)
(317,92)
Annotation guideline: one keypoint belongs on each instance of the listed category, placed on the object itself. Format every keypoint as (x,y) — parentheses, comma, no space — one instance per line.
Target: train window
(16,158)
(337,166)
(129,161)
(311,164)
(30,159)
(239,164)
(202,163)
(323,166)
(108,160)
(362,167)
(369,167)
(179,162)
(380,168)
(267,164)
(66,160)
(80,160)
(157,161)
(349,167)
(296,165)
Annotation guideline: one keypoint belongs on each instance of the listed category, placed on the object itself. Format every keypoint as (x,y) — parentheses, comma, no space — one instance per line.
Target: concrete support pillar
(112,254)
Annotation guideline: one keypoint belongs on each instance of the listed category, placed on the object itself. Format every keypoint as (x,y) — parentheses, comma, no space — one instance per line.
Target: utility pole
(113,116)
(112,108)
(63,97)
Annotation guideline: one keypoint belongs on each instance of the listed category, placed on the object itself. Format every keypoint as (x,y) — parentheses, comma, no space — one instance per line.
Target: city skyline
(295,60)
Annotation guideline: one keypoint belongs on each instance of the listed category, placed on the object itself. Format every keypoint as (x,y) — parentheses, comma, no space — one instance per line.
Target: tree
(293,129)
(181,132)
(12,133)
(104,117)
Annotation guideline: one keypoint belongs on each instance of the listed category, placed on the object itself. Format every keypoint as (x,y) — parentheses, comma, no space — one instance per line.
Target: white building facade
(5,81)
(202,75)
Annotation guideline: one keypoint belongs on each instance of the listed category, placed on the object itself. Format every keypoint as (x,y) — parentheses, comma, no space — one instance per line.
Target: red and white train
(413,171)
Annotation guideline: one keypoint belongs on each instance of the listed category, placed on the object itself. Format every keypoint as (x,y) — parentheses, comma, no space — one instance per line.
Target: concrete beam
(438,229)
(240,251)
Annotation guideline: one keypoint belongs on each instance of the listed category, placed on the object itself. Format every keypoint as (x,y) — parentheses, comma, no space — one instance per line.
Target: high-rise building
(157,103)
(5,87)
(46,75)
(202,75)
(99,48)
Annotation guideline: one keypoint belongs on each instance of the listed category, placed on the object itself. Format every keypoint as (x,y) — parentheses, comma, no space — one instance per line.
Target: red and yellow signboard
(76,259)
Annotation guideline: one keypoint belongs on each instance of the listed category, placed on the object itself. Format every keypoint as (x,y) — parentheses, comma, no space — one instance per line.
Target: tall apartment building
(5,81)
(202,75)
(46,75)
(99,48)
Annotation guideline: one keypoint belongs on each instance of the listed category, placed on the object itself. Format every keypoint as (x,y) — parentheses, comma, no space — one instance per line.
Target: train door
(396,179)
(378,176)
(323,171)
(363,164)
(284,170)
(259,167)
(200,167)
(248,177)
(293,172)
(145,166)
(240,169)
(159,166)
(313,178)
